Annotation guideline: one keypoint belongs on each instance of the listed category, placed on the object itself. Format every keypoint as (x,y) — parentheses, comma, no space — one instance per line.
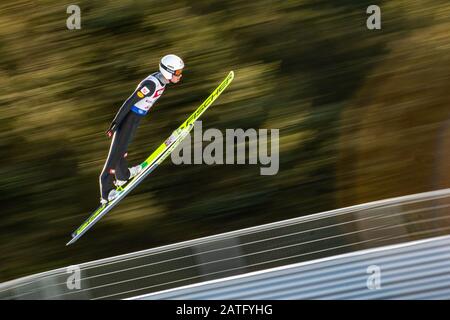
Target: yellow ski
(158,156)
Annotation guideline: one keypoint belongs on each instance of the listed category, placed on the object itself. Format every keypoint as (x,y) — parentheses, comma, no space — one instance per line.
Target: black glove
(111,129)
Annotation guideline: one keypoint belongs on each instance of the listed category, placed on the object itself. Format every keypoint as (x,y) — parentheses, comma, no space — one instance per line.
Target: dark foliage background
(363,115)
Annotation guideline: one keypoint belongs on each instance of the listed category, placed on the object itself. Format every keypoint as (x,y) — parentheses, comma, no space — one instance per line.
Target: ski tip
(70,242)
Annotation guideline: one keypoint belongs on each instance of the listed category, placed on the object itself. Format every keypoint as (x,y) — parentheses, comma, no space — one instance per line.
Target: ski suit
(123,129)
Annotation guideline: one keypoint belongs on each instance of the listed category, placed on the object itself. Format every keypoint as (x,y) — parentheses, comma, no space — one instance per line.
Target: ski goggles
(174,72)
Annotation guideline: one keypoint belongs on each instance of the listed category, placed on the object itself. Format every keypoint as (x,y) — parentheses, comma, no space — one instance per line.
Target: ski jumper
(124,127)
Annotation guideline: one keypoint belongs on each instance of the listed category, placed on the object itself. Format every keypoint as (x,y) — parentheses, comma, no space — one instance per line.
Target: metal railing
(297,240)
(413,270)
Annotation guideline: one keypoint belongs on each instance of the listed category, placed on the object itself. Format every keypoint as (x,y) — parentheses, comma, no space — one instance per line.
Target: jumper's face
(176,78)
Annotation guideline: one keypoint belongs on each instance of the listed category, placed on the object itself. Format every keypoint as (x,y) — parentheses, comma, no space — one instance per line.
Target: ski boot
(134,171)
(111,196)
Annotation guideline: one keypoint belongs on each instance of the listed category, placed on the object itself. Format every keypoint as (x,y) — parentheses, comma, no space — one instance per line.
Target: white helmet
(170,65)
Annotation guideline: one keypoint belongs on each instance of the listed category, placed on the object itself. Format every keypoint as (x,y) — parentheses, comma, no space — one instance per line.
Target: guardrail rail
(302,239)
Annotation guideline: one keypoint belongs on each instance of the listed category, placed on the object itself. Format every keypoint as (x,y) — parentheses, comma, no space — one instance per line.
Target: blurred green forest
(363,115)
